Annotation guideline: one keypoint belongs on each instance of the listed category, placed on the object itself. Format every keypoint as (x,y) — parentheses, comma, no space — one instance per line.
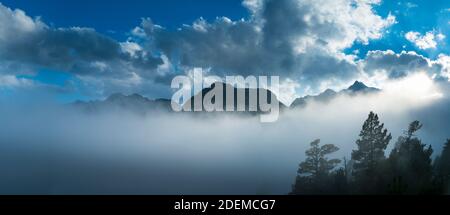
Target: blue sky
(412,15)
(121,16)
(116,19)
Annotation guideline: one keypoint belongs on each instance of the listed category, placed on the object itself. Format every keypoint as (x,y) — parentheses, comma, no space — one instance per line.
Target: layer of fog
(55,150)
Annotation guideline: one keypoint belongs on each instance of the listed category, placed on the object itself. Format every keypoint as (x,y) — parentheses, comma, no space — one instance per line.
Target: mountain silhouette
(189,104)
(135,103)
(356,88)
(360,87)
(142,105)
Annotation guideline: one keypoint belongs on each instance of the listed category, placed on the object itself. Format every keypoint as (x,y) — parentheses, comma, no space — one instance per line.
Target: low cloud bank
(57,150)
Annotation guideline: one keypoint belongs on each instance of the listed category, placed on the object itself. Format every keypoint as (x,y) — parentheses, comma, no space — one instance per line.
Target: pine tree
(371,145)
(316,163)
(369,161)
(314,173)
(410,161)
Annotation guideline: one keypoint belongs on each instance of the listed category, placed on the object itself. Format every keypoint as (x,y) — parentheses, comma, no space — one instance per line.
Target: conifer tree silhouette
(315,172)
(410,161)
(371,145)
(369,158)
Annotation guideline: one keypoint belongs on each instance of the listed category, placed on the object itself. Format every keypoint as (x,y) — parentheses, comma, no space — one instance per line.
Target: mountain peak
(234,92)
(358,86)
(328,92)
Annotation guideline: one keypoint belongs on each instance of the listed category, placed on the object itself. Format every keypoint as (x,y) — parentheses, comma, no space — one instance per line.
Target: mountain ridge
(247,91)
(141,104)
(357,88)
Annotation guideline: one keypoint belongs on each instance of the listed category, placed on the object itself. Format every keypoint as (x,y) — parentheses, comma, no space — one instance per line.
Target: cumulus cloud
(396,65)
(427,41)
(28,42)
(303,42)
(444,60)
(299,40)
(11,81)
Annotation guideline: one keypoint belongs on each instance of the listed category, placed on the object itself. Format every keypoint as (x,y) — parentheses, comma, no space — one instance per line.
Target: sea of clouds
(53,149)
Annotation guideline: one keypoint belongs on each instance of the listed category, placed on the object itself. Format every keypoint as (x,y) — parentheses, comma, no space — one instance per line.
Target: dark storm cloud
(59,47)
(300,40)
(399,65)
(227,46)
(82,51)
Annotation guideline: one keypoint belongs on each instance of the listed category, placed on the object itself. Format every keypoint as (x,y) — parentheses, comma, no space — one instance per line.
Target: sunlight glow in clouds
(400,96)
(419,87)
